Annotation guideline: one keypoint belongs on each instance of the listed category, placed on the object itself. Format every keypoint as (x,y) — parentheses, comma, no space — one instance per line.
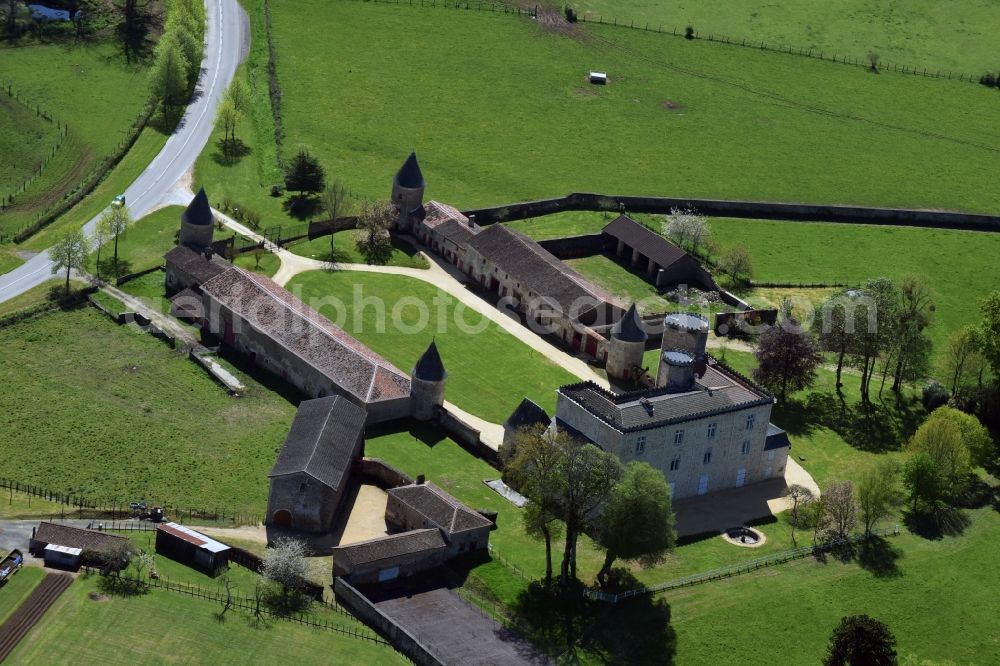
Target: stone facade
(424,505)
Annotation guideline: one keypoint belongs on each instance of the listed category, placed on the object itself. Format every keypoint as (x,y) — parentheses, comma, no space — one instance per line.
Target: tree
(736,263)
(841,509)
(877,494)
(585,476)
(835,328)
(787,358)
(531,464)
(988,333)
(70,253)
(912,345)
(637,522)
(860,640)
(239,95)
(118,220)
(975,437)
(190,45)
(873,59)
(879,303)
(285,564)
(334,201)
(962,361)
(116,557)
(168,75)
(814,517)
(940,438)
(375,220)
(304,174)
(800,496)
(924,481)
(102,233)
(686,228)
(228,118)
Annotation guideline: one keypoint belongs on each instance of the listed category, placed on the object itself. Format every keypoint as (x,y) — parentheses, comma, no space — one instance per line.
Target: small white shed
(599,78)
(62,556)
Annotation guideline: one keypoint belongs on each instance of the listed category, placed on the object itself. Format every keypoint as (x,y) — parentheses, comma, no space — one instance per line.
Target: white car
(119,201)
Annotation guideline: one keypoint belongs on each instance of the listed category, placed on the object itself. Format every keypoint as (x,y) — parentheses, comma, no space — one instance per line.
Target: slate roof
(629,328)
(649,243)
(372,552)
(526,414)
(75,537)
(195,264)
(776,438)
(199,211)
(322,440)
(447,222)
(439,507)
(429,366)
(720,390)
(309,335)
(409,174)
(537,269)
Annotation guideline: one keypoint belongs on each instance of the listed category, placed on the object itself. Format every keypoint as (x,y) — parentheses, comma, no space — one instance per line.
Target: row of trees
(234,107)
(575,488)
(177,56)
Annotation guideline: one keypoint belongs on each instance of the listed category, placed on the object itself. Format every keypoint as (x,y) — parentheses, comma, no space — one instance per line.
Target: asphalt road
(227,39)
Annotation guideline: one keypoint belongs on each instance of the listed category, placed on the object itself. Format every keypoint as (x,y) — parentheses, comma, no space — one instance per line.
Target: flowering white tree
(686,228)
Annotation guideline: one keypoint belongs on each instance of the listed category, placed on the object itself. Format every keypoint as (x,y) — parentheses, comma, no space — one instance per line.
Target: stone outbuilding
(69,546)
(312,471)
(423,505)
(192,548)
(653,256)
(390,557)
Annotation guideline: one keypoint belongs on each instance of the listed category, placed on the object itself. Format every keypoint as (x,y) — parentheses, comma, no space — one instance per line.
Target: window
(678,437)
(707,458)
(675,463)
(745,449)
(640,445)
(751,419)
(770,455)
(711,430)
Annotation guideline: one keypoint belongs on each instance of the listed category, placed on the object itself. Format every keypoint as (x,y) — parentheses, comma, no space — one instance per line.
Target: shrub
(252,219)
(570,14)
(276,190)
(689,32)
(934,396)
(988,79)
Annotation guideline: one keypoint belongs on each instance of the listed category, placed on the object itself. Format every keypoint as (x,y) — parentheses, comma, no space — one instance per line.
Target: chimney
(420,479)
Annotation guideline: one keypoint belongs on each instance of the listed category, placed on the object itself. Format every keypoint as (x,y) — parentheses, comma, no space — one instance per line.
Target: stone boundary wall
(198,356)
(586,201)
(400,638)
(380,473)
(127,317)
(131,276)
(467,437)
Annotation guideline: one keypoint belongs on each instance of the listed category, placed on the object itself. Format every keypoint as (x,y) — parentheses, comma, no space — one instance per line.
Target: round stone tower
(626,346)
(427,384)
(408,192)
(197,223)
(686,332)
(677,370)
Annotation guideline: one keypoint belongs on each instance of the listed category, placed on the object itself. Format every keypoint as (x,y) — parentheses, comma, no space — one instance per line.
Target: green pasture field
(25,141)
(489,372)
(88,87)
(8,260)
(678,118)
(109,413)
(36,295)
(346,250)
(163,625)
(950,36)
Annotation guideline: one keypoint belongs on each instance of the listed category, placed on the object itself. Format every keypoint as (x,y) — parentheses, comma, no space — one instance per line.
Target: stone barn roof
(439,507)
(409,175)
(196,264)
(537,269)
(429,366)
(373,552)
(526,414)
(718,391)
(270,308)
(322,440)
(199,211)
(447,222)
(649,243)
(75,537)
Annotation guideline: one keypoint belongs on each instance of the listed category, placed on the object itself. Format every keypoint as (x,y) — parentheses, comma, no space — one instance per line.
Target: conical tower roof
(629,328)
(409,174)
(430,368)
(198,212)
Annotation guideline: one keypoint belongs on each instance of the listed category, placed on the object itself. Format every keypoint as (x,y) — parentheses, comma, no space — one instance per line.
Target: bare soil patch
(98,597)
(671,106)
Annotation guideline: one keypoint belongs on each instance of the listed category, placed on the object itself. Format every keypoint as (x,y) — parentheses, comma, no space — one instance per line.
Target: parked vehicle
(119,201)
(10,564)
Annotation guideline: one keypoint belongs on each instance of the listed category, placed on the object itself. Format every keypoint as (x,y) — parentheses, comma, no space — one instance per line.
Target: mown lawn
(744,123)
(143,245)
(260,262)
(169,626)
(621,282)
(109,413)
(346,250)
(89,87)
(489,371)
(953,36)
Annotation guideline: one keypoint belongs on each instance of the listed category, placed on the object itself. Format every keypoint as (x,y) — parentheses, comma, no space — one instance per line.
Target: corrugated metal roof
(64,549)
(196,538)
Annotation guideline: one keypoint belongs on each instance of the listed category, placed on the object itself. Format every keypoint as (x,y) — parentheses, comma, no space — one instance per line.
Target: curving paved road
(227,39)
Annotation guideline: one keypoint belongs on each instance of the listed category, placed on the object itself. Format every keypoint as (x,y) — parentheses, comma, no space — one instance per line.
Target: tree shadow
(976,493)
(114,586)
(935,525)
(302,206)
(229,153)
(878,556)
(635,631)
